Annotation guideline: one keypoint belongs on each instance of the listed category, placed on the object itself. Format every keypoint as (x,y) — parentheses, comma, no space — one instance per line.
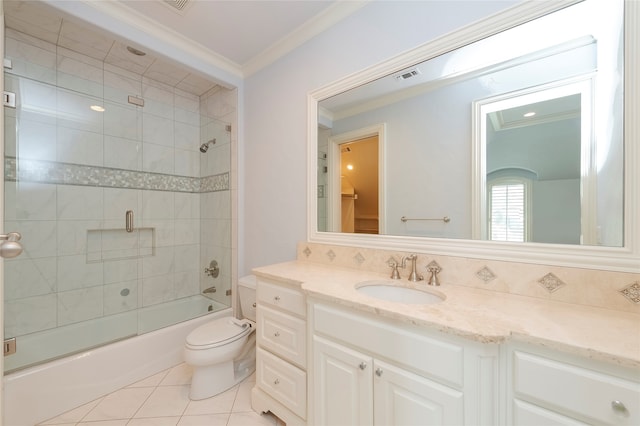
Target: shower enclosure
(119,210)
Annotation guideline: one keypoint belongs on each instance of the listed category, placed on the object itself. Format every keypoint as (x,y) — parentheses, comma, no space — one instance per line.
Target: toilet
(222,352)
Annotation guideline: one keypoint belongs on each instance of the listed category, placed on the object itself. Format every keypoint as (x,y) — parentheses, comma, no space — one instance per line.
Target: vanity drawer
(530,414)
(285,298)
(282,381)
(576,391)
(282,334)
(438,358)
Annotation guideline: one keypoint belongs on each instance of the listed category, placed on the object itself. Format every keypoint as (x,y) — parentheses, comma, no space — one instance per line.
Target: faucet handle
(395,275)
(434,269)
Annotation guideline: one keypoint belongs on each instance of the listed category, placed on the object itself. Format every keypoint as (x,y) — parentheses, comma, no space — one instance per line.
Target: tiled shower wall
(216,239)
(78,171)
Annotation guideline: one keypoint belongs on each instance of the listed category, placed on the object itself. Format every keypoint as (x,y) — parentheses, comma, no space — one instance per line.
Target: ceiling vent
(178,5)
(407,74)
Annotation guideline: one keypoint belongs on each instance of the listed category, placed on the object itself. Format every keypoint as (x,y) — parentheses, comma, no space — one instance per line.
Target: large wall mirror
(505,140)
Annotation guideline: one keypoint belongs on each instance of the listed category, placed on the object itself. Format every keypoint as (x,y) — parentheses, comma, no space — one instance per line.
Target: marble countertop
(480,315)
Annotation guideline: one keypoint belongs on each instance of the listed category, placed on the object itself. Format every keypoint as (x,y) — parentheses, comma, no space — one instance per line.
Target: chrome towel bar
(445,219)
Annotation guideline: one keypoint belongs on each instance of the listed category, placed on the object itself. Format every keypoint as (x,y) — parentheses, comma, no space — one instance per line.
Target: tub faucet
(413,276)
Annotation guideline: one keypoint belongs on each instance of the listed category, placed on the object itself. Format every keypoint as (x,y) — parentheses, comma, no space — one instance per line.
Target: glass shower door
(75,286)
(120,210)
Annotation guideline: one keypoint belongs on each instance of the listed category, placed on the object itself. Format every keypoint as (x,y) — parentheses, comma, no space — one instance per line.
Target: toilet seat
(223,330)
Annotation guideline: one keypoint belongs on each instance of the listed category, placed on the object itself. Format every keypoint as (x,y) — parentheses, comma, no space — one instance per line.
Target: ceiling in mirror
(437,160)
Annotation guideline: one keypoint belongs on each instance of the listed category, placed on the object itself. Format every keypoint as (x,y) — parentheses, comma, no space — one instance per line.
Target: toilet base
(211,380)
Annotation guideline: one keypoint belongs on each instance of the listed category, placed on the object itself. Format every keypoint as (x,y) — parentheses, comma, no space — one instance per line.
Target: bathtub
(38,393)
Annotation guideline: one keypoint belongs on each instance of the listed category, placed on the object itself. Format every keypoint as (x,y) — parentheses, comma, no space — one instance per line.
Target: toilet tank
(247,296)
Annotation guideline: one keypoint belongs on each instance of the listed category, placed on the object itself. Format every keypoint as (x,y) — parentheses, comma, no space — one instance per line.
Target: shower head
(205,146)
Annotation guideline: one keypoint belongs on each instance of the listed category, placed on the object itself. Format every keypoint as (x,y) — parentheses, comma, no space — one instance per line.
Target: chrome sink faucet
(413,276)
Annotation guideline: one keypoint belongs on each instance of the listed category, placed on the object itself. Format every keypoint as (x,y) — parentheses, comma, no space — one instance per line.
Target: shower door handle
(9,245)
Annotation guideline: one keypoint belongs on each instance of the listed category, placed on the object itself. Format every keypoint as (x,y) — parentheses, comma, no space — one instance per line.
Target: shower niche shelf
(104,245)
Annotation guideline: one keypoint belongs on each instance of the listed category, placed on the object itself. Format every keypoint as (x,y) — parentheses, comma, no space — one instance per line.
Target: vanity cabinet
(353,388)
(551,388)
(281,353)
(369,371)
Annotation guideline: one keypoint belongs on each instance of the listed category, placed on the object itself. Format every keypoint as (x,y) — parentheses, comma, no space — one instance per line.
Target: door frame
(2,213)
(333,168)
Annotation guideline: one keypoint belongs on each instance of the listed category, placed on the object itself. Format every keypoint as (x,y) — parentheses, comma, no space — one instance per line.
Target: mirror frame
(622,259)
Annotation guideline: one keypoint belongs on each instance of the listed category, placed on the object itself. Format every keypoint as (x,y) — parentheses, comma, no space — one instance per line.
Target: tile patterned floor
(163,400)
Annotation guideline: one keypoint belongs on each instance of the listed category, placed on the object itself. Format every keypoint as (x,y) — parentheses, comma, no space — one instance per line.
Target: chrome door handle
(128,221)
(9,245)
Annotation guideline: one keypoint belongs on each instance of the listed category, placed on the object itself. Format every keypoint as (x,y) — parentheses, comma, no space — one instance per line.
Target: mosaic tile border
(77,174)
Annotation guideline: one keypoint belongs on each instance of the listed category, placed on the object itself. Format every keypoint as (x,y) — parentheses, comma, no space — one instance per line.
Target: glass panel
(119,208)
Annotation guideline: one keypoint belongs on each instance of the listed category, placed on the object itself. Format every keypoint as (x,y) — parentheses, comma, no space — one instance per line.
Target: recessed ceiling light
(529,114)
(97,108)
(349,166)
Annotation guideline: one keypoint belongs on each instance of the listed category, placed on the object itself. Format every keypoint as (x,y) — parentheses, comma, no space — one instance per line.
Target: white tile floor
(163,400)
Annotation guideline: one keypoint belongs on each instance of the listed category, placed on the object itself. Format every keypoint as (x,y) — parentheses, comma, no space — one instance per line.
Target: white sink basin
(391,292)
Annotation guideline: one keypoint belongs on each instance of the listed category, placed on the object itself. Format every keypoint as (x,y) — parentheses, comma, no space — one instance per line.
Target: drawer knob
(378,372)
(276,334)
(363,365)
(276,381)
(255,304)
(619,408)
(277,298)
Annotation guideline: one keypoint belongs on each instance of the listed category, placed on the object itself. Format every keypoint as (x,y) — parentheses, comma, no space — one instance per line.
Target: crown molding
(327,18)
(120,14)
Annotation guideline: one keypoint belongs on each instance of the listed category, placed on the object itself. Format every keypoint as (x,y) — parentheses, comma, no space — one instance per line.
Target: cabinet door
(342,384)
(404,398)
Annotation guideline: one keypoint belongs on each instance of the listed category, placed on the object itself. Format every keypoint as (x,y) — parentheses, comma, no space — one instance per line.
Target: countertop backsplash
(599,288)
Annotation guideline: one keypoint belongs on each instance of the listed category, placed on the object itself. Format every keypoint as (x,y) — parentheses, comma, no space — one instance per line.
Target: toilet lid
(218,332)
